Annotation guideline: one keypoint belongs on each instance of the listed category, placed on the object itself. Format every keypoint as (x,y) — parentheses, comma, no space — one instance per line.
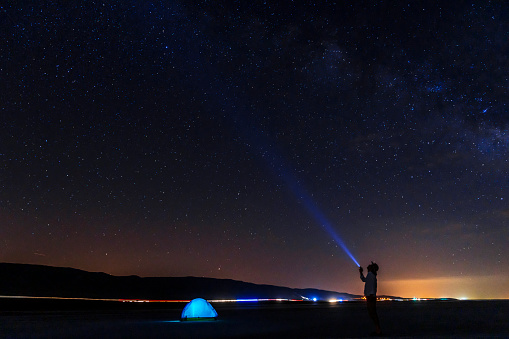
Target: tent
(199,309)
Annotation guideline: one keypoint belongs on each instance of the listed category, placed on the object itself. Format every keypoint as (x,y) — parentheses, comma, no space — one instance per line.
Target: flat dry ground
(460,319)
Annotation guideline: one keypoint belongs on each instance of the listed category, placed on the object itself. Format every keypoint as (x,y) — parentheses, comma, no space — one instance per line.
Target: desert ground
(408,319)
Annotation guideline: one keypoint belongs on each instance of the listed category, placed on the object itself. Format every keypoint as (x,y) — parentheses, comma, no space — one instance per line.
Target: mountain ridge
(67,282)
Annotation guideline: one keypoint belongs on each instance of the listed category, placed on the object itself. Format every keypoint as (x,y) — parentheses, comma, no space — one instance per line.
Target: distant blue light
(248,300)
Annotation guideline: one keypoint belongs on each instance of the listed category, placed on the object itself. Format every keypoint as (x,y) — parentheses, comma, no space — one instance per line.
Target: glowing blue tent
(199,309)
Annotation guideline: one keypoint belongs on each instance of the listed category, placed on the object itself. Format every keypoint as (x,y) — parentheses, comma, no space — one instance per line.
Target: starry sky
(253,140)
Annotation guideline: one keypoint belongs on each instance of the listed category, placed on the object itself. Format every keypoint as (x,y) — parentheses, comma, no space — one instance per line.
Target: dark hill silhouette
(48,281)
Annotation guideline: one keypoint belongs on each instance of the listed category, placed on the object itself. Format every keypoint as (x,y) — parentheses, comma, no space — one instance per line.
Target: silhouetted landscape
(50,317)
(48,281)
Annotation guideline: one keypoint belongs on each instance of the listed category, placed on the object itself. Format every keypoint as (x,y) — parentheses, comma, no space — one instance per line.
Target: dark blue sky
(217,139)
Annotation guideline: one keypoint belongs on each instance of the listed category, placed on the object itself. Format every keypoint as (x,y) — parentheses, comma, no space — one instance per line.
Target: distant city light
(335,300)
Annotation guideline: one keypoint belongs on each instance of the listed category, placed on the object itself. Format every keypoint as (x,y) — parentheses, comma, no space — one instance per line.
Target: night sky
(233,139)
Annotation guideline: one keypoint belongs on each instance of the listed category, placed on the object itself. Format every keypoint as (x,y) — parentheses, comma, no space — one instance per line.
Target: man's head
(373,267)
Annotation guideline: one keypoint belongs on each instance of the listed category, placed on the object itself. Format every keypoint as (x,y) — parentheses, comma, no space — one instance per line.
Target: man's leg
(371,303)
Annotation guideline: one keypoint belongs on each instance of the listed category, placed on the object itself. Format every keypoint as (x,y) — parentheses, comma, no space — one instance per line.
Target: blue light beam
(259,142)
(209,84)
(317,214)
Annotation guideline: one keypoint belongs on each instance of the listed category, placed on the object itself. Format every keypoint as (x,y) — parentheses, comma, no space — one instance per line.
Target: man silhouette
(370,286)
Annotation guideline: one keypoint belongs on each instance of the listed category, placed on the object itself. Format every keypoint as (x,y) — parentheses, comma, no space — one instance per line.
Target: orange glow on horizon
(475,287)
